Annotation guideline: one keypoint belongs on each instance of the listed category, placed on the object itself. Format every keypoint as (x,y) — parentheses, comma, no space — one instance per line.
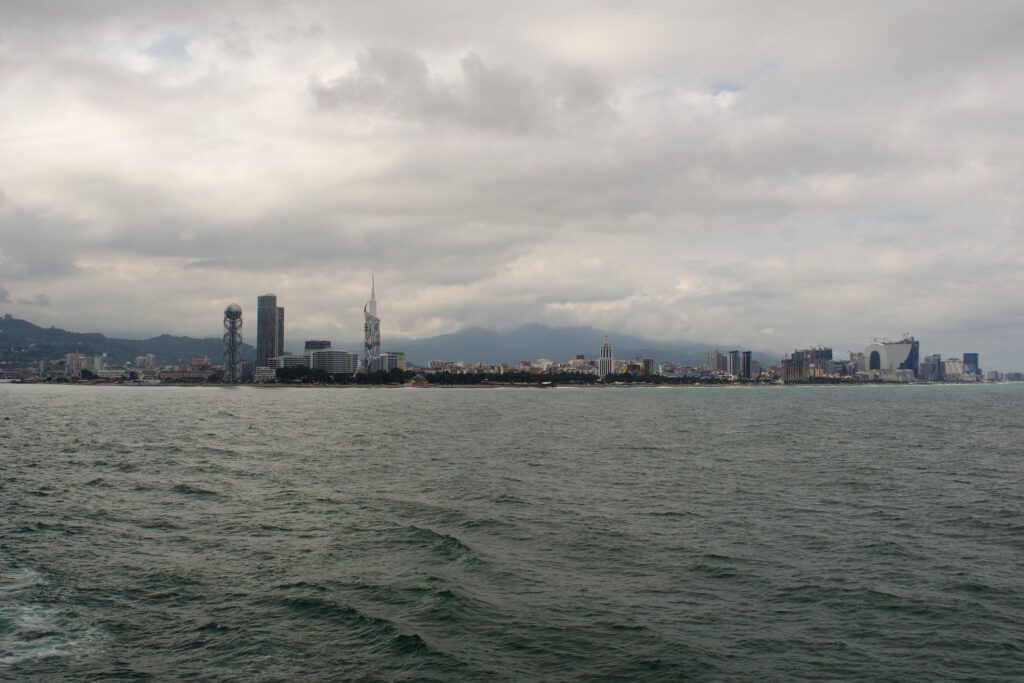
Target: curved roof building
(904,354)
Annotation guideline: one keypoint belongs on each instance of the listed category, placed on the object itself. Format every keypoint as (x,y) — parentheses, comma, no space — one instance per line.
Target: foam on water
(32,630)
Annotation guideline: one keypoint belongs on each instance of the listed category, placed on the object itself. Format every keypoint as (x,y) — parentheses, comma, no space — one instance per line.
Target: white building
(263,375)
(334,361)
(893,355)
(290,361)
(606,360)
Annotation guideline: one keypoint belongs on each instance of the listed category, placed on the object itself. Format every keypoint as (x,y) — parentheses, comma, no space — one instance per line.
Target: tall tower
(371,331)
(269,329)
(606,361)
(232,343)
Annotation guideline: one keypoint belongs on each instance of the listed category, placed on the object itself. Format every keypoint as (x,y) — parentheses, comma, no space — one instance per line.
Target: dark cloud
(5,295)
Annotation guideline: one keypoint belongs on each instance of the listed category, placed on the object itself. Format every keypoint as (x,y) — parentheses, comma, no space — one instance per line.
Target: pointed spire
(372,305)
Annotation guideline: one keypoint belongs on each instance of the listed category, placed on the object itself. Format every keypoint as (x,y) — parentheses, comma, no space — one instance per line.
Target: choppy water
(487,534)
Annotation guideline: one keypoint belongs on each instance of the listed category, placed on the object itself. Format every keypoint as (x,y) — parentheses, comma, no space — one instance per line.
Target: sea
(870,533)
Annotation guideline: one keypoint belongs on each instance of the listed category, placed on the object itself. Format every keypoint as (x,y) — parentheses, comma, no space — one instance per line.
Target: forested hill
(23,343)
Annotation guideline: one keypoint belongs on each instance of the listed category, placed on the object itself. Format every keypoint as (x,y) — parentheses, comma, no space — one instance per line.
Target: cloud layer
(735,173)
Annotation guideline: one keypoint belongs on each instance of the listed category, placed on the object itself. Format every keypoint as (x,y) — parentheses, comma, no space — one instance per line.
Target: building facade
(932,369)
(269,329)
(972,364)
(795,370)
(334,361)
(606,359)
(393,360)
(746,365)
(733,363)
(894,355)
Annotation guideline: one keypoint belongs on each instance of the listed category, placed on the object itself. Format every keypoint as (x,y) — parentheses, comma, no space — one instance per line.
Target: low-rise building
(264,375)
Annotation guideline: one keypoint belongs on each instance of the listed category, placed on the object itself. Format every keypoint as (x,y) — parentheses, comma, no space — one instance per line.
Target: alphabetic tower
(232,343)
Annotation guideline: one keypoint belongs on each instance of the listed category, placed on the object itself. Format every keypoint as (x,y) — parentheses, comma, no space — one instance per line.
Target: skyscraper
(606,361)
(269,329)
(746,365)
(734,363)
(371,331)
(972,365)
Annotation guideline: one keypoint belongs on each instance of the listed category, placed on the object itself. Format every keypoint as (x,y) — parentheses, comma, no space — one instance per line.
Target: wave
(189,490)
(443,544)
(30,630)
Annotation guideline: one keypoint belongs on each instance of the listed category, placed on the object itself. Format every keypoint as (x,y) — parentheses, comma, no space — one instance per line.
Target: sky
(749,174)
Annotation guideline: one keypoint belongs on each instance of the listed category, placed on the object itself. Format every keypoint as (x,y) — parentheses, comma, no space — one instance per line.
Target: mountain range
(533,341)
(22,343)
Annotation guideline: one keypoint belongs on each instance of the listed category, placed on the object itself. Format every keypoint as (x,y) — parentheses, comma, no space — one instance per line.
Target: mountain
(22,343)
(533,341)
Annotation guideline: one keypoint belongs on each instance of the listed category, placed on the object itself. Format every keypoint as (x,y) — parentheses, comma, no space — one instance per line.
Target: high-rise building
(819,358)
(795,370)
(393,360)
(317,345)
(371,331)
(647,366)
(606,359)
(746,365)
(716,362)
(932,369)
(971,364)
(269,329)
(894,355)
(733,367)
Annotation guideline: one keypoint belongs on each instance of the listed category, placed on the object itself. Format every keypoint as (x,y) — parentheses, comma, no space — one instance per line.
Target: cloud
(37,300)
(397,83)
(5,295)
(849,173)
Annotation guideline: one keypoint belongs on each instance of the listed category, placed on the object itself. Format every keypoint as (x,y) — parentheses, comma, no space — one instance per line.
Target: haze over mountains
(23,342)
(533,341)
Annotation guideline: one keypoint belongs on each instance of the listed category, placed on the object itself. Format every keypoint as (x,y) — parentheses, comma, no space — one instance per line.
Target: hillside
(23,343)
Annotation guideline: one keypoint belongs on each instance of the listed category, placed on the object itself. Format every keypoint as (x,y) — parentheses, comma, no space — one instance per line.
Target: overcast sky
(729,172)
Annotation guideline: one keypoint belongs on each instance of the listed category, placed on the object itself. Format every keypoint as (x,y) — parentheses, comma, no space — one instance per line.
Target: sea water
(642,534)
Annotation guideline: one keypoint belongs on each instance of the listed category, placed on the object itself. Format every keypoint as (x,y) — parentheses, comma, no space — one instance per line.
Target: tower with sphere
(232,343)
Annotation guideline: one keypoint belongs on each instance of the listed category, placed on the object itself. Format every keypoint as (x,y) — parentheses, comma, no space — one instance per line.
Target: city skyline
(740,175)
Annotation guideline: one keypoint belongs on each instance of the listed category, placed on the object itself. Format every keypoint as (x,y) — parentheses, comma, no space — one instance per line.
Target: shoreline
(496,385)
